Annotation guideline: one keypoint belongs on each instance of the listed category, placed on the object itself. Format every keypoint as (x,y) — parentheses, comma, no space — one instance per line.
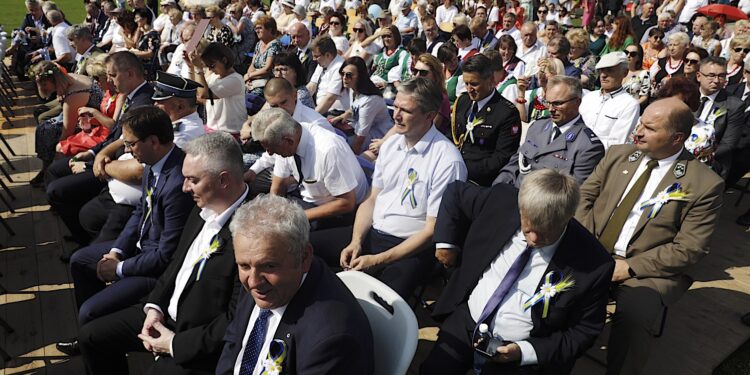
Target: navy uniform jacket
(324,328)
(577,152)
(495,138)
(163,227)
(576,317)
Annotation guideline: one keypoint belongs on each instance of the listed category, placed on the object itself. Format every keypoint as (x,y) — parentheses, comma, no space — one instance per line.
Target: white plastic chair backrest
(395,333)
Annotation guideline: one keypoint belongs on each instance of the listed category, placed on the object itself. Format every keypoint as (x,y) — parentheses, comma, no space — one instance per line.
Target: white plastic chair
(394,327)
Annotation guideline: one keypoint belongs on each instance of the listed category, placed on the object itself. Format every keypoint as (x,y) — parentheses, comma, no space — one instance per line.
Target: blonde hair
(548,199)
(96,68)
(740,41)
(215,10)
(578,38)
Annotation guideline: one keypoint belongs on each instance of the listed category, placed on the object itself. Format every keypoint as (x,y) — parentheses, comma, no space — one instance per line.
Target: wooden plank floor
(701,331)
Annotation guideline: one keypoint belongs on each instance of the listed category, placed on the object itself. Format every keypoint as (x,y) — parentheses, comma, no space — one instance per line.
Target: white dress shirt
(513,32)
(531,55)
(408,21)
(188,128)
(445,15)
(709,105)
(329,83)
(60,42)
(611,116)
(271,326)
(657,174)
(512,322)
(329,167)
(436,162)
(123,192)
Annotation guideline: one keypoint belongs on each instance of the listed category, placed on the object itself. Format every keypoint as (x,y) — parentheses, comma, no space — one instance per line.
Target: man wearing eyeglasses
(325,84)
(726,113)
(611,112)
(562,142)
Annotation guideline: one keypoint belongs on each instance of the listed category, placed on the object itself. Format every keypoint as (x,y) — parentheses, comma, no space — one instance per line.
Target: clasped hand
(156,338)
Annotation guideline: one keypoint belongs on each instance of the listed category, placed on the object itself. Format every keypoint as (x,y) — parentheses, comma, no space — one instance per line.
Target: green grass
(13,11)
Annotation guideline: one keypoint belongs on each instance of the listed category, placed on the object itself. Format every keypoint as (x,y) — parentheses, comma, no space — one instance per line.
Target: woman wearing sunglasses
(653,47)
(336,27)
(638,81)
(693,59)
(739,48)
(361,31)
(368,113)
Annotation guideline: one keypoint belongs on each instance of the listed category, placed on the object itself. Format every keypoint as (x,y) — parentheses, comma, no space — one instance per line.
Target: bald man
(652,241)
(300,46)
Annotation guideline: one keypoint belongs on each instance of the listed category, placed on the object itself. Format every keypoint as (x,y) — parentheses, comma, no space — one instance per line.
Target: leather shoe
(69,347)
(744,219)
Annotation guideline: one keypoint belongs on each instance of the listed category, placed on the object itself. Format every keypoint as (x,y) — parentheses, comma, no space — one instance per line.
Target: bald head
(664,127)
(280,93)
(680,117)
(278,86)
(299,34)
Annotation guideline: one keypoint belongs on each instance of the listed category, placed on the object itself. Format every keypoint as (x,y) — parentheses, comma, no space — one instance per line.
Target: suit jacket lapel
(557,264)
(225,236)
(621,179)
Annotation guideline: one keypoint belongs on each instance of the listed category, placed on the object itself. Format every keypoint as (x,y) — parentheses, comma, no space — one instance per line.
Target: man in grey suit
(563,142)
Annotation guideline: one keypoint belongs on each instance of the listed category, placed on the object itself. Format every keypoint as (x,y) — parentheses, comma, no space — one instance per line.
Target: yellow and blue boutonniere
(470,128)
(215,245)
(671,193)
(411,180)
(715,115)
(548,290)
(274,362)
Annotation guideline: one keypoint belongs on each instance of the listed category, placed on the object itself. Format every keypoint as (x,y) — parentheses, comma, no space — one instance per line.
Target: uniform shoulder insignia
(635,156)
(571,136)
(592,136)
(679,169)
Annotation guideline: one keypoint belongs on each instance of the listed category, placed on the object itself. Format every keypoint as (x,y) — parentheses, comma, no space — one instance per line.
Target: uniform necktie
(474,110)
(502,290)
(699,112)
(298,164)
(255,343)
(612,230)
(555,133)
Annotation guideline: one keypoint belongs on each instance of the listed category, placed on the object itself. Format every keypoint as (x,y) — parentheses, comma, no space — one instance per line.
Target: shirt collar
(305,143)
(218,220)
(279,311)
(565,127)
(132,93)
(712,97)
(612,94)
(424,142)
(666,161)
(88,51)
(482,103)
(157,167)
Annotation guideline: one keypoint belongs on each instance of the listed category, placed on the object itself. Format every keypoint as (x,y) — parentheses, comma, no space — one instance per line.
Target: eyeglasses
(632,53)
(692,62)
(419,72)
(740,50)
(130,144)
(358,30)
(334,23)
(280,70)
(558,104)
(541,11)
(712,76)
(347,75)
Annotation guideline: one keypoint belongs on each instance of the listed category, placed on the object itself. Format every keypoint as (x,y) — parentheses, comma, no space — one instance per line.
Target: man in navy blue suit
(528,271)
(142,252)
(294,312)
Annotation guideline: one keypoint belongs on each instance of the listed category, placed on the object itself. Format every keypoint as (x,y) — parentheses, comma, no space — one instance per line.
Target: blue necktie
(255,343)
(474,110)
(502,290)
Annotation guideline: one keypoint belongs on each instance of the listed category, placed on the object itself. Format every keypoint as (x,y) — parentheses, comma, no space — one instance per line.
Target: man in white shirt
(407,22)
(331,182)
(611,112)
(185,316)
(292,310)
(64,52)
(530,49)
(104,39)
(325,84)
(392,234)
(653,241)
(509,28)
(688,11)
(508,246)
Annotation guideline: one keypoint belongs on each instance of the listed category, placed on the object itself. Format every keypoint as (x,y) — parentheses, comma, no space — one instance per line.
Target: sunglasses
(632,53)
(358,30)
(541,11)
(334,23)
(419,72)
(692,61)
(347,75)
(657,37)
(740,50)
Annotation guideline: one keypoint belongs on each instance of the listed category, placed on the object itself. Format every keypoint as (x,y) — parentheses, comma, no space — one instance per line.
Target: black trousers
(105,341)
(68,192)
(453,352)
(104,219)
(637,322)
(403,275)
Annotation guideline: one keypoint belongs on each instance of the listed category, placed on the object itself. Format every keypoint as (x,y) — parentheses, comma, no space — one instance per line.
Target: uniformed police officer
(562,142)
(485,126)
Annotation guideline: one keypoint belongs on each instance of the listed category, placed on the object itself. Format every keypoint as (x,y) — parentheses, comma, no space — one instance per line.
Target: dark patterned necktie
(255,343)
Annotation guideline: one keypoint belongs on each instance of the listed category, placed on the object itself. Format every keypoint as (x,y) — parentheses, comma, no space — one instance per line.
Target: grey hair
(574,85)
(270,125)
(79,32)
(219,152)
(548,199)
(271,215)
(54,15)
(426,92)
(31,3)
(679,37)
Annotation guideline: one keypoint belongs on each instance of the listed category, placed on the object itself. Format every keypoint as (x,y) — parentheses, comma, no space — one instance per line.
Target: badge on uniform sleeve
(679,170)
(635,156)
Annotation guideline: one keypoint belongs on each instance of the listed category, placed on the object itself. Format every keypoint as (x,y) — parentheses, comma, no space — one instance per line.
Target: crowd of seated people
(215,162)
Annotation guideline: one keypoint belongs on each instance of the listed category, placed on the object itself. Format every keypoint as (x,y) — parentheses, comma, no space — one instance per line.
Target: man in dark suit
(143,250)
(644,21)
(74,181)
(741,158)
(294,311)
(96,20)
(726,113)
(512,248)
(486,127)
(562,142)
(653,206)
(34,23)
(194,299)
(82,40)
(300,46)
